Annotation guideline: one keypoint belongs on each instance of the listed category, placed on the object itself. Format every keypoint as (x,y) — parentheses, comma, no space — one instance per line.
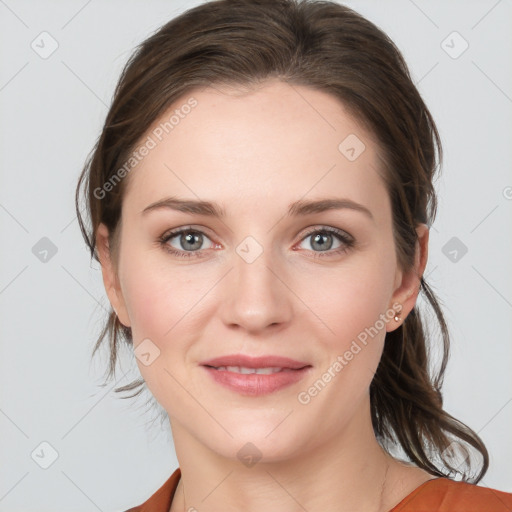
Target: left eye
(322,240)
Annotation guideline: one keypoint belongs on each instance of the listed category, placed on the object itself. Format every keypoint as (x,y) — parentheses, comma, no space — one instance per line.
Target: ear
(407,284)
(110,278)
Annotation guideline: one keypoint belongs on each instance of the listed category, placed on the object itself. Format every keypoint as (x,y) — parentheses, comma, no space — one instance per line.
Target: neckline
(400,504)
(413,493)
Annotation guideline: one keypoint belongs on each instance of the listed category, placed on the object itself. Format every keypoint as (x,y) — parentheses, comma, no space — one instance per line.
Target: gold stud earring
(397,315)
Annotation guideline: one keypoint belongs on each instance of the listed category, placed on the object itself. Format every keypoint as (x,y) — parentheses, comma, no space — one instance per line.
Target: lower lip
(254,384)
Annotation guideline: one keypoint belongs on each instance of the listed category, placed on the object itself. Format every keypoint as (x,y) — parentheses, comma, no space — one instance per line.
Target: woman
(260,201)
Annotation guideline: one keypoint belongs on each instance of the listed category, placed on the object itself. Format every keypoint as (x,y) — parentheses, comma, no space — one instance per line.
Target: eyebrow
(298,208)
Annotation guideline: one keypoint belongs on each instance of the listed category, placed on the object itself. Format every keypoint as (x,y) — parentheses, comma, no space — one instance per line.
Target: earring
(397,315)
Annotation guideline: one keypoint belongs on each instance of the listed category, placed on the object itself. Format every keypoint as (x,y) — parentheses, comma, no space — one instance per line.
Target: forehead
(272,145)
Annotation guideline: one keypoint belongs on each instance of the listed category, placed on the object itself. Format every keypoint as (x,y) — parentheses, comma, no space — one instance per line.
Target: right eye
(188,242)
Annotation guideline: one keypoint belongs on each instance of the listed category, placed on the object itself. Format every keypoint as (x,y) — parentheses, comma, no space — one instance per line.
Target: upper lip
(267,361)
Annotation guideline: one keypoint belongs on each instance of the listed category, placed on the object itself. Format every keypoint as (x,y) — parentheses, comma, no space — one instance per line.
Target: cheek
(157,298)
(349,299)
(352,302)
(160,306)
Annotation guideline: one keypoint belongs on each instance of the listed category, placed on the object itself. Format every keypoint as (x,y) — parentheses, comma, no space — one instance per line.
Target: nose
(256,295)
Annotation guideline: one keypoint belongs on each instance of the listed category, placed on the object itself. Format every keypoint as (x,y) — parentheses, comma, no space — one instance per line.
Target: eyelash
(347,240)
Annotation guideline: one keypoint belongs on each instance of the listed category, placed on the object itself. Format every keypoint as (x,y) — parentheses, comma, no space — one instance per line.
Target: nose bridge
(255,297)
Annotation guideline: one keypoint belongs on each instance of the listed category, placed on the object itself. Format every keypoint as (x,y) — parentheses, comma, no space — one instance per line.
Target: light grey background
(52,109)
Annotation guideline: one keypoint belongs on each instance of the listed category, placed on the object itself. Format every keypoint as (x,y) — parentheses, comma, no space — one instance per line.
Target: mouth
(248,371)
(255,376)
(251,362)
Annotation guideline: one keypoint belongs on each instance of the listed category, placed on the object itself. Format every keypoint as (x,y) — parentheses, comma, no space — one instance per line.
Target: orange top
(436,495)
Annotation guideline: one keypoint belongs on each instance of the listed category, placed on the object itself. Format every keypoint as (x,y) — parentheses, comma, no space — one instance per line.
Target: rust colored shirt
(436,495)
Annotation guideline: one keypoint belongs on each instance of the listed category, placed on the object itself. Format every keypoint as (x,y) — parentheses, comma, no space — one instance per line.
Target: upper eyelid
(184,229)
(328,229)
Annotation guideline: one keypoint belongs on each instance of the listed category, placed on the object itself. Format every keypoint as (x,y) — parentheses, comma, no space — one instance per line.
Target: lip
(255,362)
(256,384)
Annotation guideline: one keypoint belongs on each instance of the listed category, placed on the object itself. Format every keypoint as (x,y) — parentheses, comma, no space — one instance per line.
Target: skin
(255,153)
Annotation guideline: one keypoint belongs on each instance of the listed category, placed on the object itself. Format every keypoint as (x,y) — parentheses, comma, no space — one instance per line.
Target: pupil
(194,239)
(317,240)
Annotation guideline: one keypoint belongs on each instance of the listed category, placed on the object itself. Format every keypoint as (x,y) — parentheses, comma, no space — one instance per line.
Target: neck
(347,472)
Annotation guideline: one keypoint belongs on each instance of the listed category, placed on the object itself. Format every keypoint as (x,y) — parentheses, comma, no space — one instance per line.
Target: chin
(259,442)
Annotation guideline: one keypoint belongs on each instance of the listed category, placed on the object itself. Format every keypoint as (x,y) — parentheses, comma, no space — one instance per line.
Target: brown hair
(330,48)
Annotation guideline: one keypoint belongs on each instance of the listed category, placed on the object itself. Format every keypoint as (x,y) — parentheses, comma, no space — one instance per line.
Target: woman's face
(272,276)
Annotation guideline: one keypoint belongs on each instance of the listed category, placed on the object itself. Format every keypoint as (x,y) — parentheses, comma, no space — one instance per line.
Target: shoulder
(161,500)
(445,495)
